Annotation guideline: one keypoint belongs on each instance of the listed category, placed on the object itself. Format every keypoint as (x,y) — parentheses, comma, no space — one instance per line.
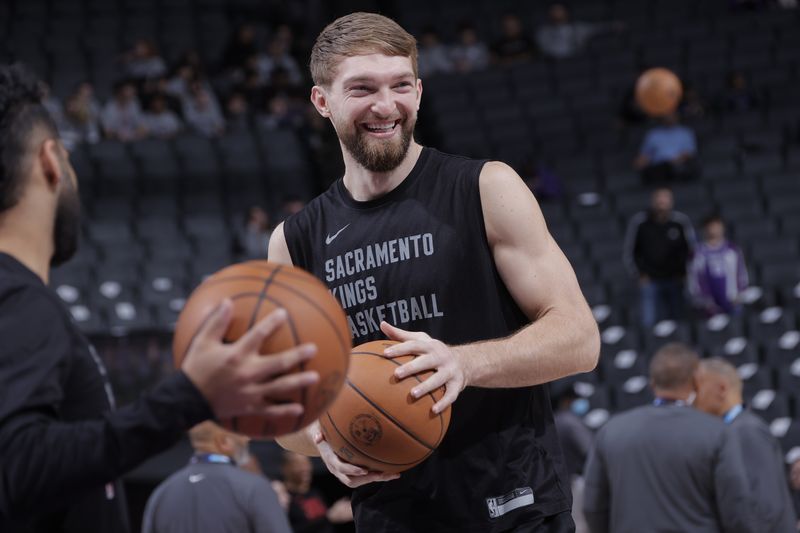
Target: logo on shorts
(500,505)
(366,429)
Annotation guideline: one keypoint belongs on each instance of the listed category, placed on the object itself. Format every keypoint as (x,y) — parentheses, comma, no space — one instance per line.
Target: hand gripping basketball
(235,379)
(450,370)
(349,474)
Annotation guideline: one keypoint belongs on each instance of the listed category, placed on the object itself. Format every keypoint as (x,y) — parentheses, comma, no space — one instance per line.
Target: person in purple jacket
(717,273)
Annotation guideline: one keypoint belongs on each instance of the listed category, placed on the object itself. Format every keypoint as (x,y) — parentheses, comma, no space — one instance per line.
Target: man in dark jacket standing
(719,393)
(657,247)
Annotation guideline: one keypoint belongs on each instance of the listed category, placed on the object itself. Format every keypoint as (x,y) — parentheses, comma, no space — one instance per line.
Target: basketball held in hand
(375,422)
(257,288)
(658,92)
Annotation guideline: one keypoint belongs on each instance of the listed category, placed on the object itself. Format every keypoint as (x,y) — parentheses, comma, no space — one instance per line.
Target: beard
(377,155)
(66,229)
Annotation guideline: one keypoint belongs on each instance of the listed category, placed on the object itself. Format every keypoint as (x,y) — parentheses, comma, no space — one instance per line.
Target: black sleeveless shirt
(418,257)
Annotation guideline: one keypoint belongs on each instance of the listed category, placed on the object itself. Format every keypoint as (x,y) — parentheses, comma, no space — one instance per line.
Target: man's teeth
(380,127)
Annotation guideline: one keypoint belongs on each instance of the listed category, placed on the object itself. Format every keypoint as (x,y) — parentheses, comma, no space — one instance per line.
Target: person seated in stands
(469,53)
(122,116)
(514,46)
(668,153)
(562,37)
(161,121)
(82,115)
(717,273)
(434,57)
(202,111)
(738,96)
(143,61)
(308,511)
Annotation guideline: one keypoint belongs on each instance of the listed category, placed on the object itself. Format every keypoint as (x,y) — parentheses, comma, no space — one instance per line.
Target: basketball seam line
(416,377)
(344,438)
(387,415)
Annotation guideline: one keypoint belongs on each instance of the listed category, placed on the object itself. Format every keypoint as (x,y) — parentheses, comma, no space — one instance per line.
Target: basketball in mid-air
(375,422)
(256,288)
(658,91)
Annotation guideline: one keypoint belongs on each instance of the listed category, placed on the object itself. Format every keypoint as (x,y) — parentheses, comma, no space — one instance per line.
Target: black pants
(560,523)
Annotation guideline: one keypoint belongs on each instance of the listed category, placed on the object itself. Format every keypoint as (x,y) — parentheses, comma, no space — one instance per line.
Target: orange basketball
(658,91)
(256,289)
(375,422)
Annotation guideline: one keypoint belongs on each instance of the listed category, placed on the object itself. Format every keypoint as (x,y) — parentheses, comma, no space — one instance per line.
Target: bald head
(719,387)
(672,370)
(208,437)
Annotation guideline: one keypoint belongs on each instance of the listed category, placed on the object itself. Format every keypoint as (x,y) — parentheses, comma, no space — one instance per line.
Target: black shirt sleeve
(46,460)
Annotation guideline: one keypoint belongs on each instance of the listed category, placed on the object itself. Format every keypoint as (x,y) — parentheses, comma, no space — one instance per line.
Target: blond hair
(359,34)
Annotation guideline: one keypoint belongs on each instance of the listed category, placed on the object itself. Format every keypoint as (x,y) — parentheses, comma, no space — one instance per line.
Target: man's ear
(320,100)
(49,159)
(419,93)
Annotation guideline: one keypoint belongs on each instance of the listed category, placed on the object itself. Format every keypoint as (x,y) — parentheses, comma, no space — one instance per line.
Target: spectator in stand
(308,511)
(202,112)
(254,236)
(52,105)
(82,116)
(278,55)
(280,115)
(122,117)
(143,61)
(160,121)
(738,96)
(514,46)
(240,48)
(237,113)
(433,56)
(185,72)
(717,273)
(657,246)
(692,105)
(668,153)
(469,53)
(561,37)
(719,393)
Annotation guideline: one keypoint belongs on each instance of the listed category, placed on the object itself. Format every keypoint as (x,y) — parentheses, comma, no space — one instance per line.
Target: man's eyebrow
(365,79)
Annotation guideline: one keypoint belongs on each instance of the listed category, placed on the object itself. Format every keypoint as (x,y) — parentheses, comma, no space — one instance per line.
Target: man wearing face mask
(213,492)
(666,466)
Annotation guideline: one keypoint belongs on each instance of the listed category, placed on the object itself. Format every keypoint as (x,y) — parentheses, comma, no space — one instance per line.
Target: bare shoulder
(278,249)
(508,204)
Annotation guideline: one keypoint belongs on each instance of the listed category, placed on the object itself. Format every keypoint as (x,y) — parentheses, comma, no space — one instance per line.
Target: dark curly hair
(21,111)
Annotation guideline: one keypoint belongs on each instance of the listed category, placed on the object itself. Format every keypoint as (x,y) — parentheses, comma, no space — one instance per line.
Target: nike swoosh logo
(329,238)
(194,478)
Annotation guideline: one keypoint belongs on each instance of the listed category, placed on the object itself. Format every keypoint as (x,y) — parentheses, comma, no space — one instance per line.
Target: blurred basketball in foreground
(375,422)
(257,288)
(658,92)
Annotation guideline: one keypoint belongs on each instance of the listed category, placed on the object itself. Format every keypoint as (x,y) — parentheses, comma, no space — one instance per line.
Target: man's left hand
(449,368)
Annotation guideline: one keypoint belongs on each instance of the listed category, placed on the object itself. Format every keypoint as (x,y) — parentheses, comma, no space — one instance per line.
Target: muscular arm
(563,338)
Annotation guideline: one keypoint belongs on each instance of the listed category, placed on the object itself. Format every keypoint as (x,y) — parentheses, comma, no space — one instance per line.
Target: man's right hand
(351,475)
(236,379)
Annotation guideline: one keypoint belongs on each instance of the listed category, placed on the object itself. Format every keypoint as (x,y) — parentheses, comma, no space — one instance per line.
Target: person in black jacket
(63,444)
(658,245)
